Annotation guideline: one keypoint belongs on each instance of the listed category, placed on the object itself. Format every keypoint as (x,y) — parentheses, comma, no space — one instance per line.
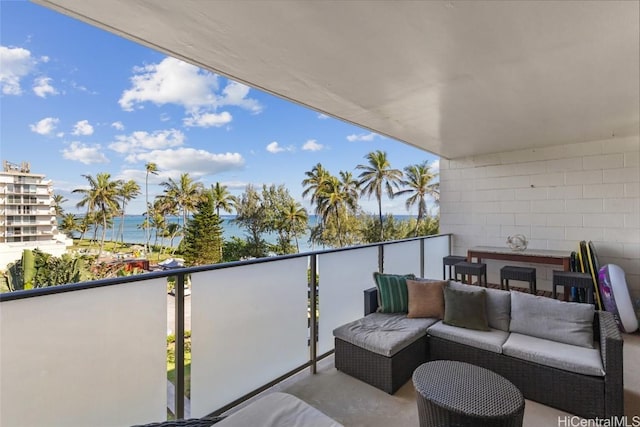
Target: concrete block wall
(556,196)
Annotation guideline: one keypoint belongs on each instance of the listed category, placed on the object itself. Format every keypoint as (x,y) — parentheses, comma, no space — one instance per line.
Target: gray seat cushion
(491,340)
(278,410)
(563,356)
(498,304)
(384,333)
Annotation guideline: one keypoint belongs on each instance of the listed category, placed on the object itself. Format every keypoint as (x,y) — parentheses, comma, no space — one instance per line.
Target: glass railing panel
(342,277)
(402,257)
(249,326)
(93,357)
(435,248)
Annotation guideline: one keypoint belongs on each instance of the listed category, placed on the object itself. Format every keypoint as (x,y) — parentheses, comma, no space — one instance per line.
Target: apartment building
(27,215)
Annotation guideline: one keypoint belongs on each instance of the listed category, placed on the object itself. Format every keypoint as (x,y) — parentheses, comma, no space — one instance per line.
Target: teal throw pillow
(465,309)
(393,296)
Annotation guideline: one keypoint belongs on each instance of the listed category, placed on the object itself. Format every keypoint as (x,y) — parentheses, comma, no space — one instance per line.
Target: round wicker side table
(451,393)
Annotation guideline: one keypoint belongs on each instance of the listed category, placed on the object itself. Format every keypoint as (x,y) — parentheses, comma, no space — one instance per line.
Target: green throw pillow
(393,296)
(465,309)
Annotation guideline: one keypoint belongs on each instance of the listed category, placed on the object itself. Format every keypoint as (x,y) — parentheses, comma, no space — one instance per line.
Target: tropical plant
(69,224)
(150,168)
(293,222)
(418,178)
(314,181)
(58,200)
(377,176)
(222,199)
(185,194)
(101,197)
(127,191)
(334,201)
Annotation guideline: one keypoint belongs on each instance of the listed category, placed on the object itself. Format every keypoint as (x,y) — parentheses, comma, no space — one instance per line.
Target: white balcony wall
(435,248)
(95,357)
(248,326)
(402,258)
(343,276)
(556,196)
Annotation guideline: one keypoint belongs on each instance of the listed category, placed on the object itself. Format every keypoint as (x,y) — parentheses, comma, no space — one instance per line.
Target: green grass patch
(171,361)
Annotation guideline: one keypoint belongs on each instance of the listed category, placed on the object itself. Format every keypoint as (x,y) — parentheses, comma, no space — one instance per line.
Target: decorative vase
(517,242)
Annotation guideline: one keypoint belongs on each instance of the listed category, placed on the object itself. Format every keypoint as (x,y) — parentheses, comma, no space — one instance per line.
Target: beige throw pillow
(426,299)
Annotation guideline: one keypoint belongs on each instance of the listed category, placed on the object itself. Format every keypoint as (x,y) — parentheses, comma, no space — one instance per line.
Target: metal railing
(333,284)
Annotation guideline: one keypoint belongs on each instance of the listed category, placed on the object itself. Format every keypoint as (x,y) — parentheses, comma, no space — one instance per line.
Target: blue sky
(77,100)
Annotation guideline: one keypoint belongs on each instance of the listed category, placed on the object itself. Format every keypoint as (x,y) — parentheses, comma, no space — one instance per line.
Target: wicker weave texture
(191,422)
(457,393)
(386,373)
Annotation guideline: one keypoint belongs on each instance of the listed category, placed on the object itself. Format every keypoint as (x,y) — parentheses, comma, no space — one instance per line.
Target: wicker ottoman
(451,393)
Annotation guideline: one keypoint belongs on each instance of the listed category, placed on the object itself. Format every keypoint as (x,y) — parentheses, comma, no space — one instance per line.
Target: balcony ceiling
(453,78)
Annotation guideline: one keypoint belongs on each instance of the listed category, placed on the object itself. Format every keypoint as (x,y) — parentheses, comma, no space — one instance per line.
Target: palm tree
(418,180)
(185,194)
(294,221)
(334,200)
(58,200)
(222,199)
(152,168)
(102,198)
(315,178)
(127,192)
(376,175)
(69,224)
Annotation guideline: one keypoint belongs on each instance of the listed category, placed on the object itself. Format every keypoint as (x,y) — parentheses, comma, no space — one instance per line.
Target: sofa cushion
(498,304)
(392,292)
(491,340)
(277,410)
(563,356)
(465,309)
(426,299)
(383,333)
(542,317)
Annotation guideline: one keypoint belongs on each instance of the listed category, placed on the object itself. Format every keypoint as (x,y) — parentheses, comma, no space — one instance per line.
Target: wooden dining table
(535,256)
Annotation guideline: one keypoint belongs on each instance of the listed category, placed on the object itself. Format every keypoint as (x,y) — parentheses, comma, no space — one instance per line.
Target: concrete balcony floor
(356,404)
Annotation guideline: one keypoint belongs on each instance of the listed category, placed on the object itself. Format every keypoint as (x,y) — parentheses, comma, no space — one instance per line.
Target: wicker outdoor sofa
(588,396)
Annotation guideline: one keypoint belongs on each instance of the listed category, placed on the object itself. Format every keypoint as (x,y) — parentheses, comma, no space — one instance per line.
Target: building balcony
(95,353)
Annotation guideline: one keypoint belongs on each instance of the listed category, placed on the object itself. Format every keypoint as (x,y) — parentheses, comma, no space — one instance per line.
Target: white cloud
(16,64)
(42,87)
(141,141)
(312,145)
(82,128)
(199,163)
(172,81)
(45,126)
(322,116)
(435,166)
(117,125)
(207,119)
(44,59)
(362,137)
(274,147)
(60,134)
(83,153)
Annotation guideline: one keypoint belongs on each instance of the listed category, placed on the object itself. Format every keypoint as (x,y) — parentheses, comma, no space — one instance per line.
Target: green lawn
(171,362)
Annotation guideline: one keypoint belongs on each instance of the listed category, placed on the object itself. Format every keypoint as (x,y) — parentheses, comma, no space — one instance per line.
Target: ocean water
(133,233)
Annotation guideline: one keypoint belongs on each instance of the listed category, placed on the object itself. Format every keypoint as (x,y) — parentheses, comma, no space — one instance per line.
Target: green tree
(69,224)
(185,193)
(251,215)
(58,200)
(314,181)
(126,192)
(333,201)
(150,168)
(101,197)
(293,222)
(202,241)
(376,176)
(222,199)
(418,178)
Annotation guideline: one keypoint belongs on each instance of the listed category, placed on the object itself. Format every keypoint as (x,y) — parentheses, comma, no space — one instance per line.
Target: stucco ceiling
(456,78)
